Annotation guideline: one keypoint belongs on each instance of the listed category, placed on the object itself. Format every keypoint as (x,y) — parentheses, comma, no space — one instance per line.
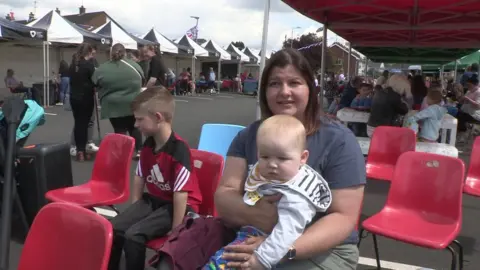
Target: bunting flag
(193,33)
(310,46)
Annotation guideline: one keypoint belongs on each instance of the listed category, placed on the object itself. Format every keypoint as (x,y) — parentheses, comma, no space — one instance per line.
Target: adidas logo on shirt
(156,178)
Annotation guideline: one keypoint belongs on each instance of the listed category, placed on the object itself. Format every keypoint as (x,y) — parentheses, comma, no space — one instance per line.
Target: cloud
(221,20)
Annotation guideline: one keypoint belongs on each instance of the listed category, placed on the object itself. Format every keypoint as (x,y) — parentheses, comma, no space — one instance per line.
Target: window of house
(339,61)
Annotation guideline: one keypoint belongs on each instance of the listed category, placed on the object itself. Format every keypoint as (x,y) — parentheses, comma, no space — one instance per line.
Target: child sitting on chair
(281,169)
(363,101)
(429,119)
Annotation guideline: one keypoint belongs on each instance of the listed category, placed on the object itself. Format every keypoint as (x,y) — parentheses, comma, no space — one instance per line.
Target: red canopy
(398,23)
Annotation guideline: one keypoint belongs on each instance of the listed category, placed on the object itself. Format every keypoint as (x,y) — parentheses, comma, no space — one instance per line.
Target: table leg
(444,135)
(453,136)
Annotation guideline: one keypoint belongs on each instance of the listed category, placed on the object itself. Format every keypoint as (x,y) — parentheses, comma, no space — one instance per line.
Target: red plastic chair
(424,204)
(110,181)
(208,169)
(66,236)
(386,146)
(472,183)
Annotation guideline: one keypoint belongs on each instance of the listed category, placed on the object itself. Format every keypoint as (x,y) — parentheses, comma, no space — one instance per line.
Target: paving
(193,112)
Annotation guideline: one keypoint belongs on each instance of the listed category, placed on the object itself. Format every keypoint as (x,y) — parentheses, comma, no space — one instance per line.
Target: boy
(430,118)
(165,168)
(281,168)
(363,101)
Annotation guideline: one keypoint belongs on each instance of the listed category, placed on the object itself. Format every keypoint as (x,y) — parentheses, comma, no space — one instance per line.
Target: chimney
(82,10)
(58,11)
(31,17)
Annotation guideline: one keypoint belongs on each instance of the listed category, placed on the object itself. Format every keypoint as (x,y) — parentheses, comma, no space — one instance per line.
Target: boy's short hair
(435,95)
(285,124)
(155,100)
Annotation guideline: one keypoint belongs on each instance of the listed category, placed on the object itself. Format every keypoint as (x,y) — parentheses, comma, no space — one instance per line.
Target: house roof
(345,49)
(85,18)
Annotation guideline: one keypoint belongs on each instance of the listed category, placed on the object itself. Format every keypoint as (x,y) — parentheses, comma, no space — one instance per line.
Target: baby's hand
(252,264)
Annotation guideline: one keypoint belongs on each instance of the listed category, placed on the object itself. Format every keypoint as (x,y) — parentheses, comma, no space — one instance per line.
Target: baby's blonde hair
(283,126)
(400,84)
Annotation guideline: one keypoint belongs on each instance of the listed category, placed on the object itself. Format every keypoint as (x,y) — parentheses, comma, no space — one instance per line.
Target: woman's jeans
(64,89)
(82,113)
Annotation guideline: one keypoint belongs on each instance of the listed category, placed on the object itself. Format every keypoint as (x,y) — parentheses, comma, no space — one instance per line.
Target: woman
(387,104)
(470,106)
(119,81)
(82,96)
(288,88)
(16,86)
(419,91)
(64,81)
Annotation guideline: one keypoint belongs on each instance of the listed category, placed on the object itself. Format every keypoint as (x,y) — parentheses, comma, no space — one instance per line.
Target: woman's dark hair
(473,79)
(419,89)
(118,52)
(84,50)
(281,59)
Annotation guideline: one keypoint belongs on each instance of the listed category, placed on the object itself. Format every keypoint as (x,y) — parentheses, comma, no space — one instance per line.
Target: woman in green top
(119,81)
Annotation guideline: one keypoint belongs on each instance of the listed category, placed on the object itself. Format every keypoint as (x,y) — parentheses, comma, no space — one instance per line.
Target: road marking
(203,98)
(181,100)
(50,113)
(387,264)
(224,96)
(361,261)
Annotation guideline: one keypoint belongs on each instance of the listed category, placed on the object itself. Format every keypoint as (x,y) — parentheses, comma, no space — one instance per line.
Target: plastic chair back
(208,169)
(113,163)
(429,184)
(473,175)
(216,138)
(67,236)
(388,143)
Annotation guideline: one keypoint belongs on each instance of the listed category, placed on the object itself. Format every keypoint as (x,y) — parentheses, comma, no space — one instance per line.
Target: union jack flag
(193,33)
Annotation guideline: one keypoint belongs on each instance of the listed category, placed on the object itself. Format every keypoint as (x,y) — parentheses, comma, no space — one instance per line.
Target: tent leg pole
(266,15)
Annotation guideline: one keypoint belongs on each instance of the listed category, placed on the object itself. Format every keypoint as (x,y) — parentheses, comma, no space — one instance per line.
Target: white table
(434,148)
(348,115)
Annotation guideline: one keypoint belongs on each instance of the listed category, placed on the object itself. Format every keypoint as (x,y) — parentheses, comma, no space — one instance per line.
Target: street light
(196,26)
(291,40)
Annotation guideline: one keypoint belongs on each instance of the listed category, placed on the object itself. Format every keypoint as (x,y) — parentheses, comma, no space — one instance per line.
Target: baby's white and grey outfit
(303,196)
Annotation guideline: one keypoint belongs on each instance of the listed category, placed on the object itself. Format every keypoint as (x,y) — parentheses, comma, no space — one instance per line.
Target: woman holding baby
(329,156)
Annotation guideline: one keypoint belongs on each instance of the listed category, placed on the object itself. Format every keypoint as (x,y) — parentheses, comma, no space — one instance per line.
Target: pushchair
(18,119)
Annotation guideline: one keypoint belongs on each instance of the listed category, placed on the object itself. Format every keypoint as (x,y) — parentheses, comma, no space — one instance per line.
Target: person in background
(470,107)
(64,82)
(118,82)
(16,86)
(419,91)
(425,103)
(430,119)
(82,96)
(134,56)
(170,77)
(382,80)
(350,92)
(211,80)
(157,70)
(471,70)
(144,62)
(363,101)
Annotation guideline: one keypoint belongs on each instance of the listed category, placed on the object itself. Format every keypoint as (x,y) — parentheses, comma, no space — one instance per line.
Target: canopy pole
(219,79)
(44,74)
(348,62)
(442,70)
(48,75)
(366,67)
(323,67)
(455,72)
(266,15)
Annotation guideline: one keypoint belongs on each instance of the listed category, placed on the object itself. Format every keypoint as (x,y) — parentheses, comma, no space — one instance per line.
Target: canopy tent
(213,46)
(119,35)
(409,24)
(235,51)
(166,46)
(60,30)
(190,44)
(14,31)
(413,55)
(465,61)
(254,58)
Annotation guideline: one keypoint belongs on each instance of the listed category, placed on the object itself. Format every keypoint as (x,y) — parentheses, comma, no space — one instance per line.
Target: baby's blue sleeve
(355,103)
(294,213)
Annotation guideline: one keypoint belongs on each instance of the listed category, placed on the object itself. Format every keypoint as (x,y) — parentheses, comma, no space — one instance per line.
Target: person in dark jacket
(82,96)
(387,104)
(64,81)
(350,92)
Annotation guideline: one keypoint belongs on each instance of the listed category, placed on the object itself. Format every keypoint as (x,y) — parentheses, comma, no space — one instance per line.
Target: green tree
(314,53)
(239,44)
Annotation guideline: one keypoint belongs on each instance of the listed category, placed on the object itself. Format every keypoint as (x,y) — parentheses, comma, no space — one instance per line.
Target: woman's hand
(238,254)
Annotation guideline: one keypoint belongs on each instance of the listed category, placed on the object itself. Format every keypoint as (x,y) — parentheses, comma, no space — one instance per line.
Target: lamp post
(196,26)
(291,40)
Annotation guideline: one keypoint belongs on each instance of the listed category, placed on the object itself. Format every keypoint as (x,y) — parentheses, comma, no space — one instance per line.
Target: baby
(281,168)
(430,118)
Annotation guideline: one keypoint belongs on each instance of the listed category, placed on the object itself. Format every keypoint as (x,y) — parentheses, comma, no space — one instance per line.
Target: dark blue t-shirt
(334,153)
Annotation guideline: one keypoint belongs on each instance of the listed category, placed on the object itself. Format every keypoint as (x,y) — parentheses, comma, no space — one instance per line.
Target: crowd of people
(411,100)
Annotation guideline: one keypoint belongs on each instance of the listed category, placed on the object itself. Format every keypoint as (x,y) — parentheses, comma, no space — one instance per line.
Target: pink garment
(425,105)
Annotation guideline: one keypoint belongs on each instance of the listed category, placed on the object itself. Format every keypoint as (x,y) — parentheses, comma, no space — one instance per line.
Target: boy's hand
(253,264)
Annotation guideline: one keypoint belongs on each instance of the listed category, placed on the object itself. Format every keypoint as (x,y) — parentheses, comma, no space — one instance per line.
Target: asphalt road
(193,112)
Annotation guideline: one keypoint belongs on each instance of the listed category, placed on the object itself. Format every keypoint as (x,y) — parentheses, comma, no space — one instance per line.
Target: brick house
(339,56)
(89,21)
